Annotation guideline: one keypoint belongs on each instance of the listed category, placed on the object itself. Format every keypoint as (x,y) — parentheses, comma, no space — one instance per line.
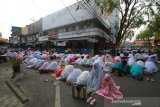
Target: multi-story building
(34,30)
(23,36)
(16,32)
(86,28)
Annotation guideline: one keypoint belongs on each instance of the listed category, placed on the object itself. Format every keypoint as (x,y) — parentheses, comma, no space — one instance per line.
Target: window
(72,28)
(66,29)
(60,30)
(77,27)
(87,25)
(81,27)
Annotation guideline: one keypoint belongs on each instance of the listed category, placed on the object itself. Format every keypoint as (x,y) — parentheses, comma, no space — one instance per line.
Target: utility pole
(34,29)
(33,20)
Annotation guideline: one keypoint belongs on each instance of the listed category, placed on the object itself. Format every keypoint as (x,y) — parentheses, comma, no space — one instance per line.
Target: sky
(23,12)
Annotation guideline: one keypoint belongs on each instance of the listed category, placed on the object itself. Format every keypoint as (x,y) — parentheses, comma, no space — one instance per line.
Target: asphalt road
(42,94)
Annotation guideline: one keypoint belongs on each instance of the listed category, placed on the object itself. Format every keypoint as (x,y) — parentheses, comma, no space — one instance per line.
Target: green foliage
(152,28)
(158,48)
(132,13)
(155,23)
(129,35)
(16,61)
(145,34)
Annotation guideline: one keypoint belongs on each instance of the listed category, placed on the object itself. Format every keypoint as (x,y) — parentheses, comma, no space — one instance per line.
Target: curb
(17,91)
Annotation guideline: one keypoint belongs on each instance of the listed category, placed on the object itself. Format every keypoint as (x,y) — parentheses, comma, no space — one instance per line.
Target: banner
(61,43)
(43,38)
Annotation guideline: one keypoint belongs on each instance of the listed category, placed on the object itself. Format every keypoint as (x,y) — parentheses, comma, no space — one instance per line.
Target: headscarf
(89,62)
(108,58)
(130,55)
(150,67)
(35,63)
(109,90)
(83,61)
(59,72)
(108,66)
(95,77)
(53,66)
(152,58)
(78,60)
(44,66)
(131,61)
(82,79)
(32,61)
(61,62)
(118,65)
(96,56)
(100,60)
(136,70)
(68,58)
(117,58)
(88,57)
(45,56)
(139,56)
(67,70)
(40,64)
(141,63)
(122,55)
(74,75)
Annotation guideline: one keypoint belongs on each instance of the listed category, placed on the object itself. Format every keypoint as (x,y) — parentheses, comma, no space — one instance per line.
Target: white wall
(63,17)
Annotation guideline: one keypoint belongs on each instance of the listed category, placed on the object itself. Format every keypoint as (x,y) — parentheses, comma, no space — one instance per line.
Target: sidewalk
(7,97)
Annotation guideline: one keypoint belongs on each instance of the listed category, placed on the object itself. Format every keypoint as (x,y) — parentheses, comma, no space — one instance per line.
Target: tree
(128,35)
(146,35)
(132,14)
(152,29)
(155,24)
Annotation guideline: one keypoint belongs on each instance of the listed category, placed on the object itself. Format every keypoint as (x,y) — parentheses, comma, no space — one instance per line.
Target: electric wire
(69,11)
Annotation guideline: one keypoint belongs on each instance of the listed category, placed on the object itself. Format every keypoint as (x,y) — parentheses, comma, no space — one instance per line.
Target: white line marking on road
(57,97)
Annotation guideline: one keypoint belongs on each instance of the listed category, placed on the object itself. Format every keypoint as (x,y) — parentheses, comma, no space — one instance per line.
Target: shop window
(56,31)
(77,28)
(81,27)
(87,25)
(92,25)
(67,29)
(71,28)
(63,30)
(60,30)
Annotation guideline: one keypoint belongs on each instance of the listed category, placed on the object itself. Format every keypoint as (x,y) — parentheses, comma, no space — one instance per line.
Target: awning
(69,39)
(39,43)
(29,44)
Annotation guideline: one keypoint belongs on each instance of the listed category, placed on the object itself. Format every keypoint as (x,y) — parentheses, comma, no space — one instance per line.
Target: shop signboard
(43,38)
(29,38)
(93,40)
(52,37)
(62,43)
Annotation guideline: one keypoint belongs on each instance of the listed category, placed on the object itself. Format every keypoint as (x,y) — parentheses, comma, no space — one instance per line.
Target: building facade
(34,30)
(88,28)
(77,29)
(16,32)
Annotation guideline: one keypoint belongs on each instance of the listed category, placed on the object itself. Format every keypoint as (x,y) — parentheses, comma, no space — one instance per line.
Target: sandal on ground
(147,79)
(89,99)
(46,80)
(58,78)
(152,80)
(92,102)
(56,83)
